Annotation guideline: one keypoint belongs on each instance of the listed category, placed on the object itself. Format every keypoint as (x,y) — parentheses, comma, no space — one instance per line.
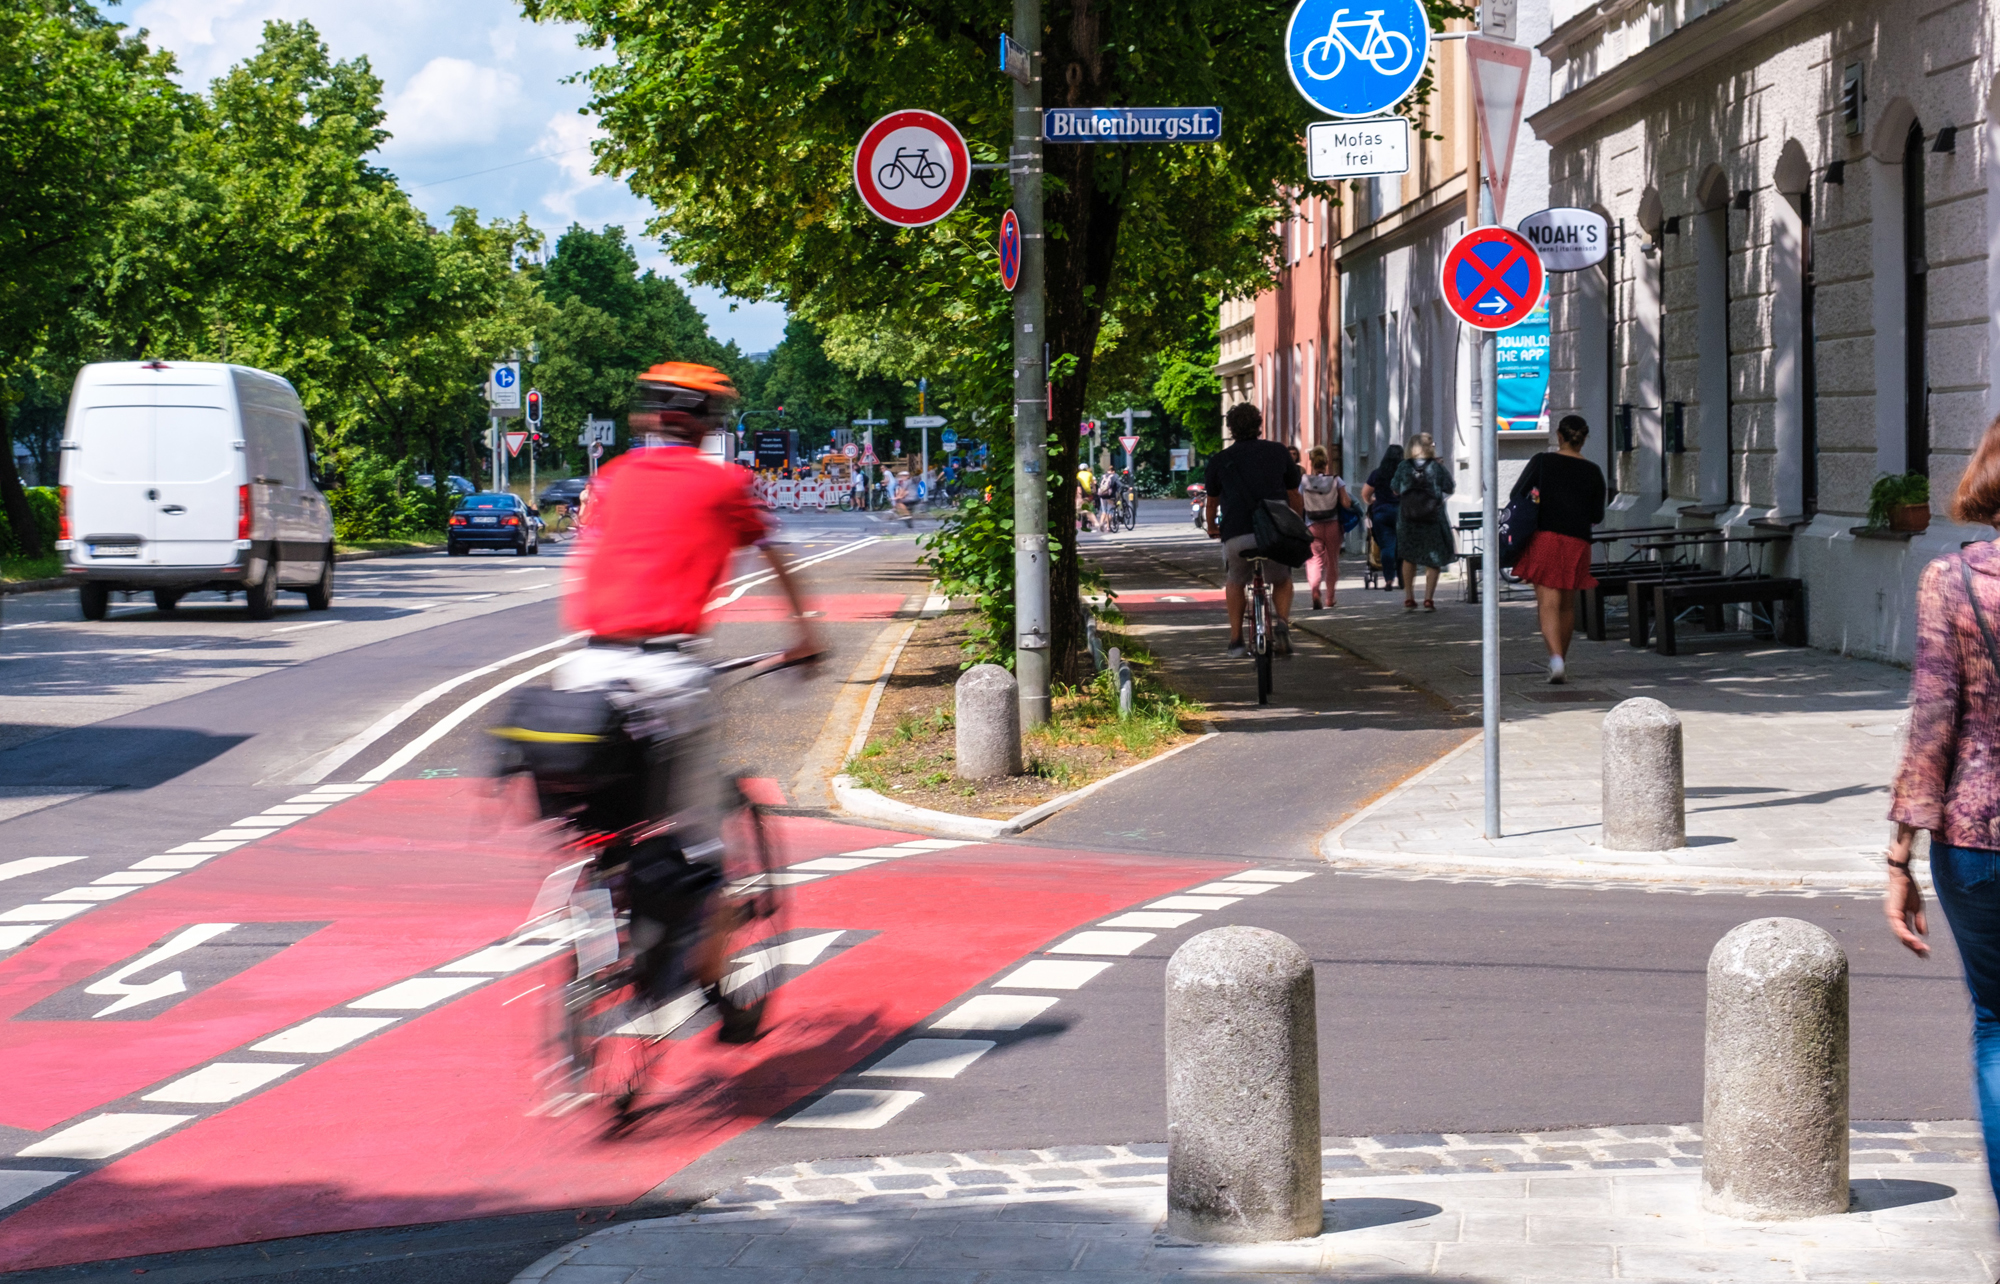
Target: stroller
(1383,571)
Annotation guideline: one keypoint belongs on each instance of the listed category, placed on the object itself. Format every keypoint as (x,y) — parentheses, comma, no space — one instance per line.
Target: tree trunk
(1082,227)
(27,532)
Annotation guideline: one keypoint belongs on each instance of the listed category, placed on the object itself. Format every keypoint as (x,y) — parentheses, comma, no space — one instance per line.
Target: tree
(82,109)
(738,118)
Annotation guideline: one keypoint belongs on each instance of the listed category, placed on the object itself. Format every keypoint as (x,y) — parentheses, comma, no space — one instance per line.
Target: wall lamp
(1836,173)
(1947,139)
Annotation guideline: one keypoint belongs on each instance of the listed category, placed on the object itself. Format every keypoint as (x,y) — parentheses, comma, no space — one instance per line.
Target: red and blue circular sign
(1010,250)
(912,168)
(1492,278)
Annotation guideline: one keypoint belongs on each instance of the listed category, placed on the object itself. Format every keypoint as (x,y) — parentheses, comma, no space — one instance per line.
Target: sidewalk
(1789,751)
(1471,1210)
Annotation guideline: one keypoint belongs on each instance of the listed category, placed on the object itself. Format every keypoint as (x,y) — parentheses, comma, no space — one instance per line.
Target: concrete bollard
(989,723)
(1242,1089)
(1645,796)
(1774,1100)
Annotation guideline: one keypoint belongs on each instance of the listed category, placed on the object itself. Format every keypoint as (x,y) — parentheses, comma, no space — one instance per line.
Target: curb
(32,586)
(366,556)
(856,800)
(10,587)
(1331,851)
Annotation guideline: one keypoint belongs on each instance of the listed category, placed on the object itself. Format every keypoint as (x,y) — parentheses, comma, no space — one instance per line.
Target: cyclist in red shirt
(665,522)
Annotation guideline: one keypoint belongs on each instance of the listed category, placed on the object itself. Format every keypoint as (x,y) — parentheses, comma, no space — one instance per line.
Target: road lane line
(854,1108)
(32,865)
(101,1137)
(402,757)
(339,755)
(755,580)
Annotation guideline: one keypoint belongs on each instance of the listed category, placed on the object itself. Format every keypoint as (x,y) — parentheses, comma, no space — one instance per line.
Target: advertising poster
(1522,368)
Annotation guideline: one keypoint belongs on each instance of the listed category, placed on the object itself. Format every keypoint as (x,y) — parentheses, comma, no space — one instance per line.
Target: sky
(477,105)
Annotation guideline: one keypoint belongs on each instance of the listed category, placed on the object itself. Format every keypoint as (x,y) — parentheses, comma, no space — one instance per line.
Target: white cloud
(451,102)
(566,142)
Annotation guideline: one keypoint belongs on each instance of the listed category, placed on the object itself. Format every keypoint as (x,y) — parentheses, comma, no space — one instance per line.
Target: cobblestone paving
(1078,1169)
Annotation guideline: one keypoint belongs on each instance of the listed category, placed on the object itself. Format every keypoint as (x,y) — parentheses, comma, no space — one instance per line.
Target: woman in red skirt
(1568,493)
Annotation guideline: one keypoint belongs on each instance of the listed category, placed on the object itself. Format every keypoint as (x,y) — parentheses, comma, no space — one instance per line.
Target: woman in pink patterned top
(1949,780)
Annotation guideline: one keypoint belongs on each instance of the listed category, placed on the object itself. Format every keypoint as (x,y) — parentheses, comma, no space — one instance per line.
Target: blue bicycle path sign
(1357,57)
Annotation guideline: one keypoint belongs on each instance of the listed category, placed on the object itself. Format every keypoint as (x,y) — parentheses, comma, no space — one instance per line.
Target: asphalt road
(1444,1007)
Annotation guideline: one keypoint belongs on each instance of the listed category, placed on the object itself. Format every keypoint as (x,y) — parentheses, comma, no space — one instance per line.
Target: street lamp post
(1031,411)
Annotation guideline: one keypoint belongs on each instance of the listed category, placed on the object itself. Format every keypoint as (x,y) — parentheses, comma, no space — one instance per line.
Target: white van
(179,476)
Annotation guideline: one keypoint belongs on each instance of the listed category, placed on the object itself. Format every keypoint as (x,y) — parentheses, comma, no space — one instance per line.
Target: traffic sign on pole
(1131,445)
(1015,62)
(1357,149)
(1500,84)
(1132,125)
(1362,65)
(923,421)
(503,390)
(1010,251)
(1492,278)
(1568,240)
(515,440)
(912,168)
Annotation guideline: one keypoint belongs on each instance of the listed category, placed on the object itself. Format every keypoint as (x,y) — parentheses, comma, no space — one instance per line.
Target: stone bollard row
(1645,796)
(1243,1149)
(988,716)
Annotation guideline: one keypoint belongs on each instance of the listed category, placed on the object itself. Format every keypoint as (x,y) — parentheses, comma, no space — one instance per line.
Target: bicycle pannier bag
(1282,535)
(586,767)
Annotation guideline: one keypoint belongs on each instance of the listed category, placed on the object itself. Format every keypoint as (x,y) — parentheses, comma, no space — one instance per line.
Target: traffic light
(534,407)
(488,438)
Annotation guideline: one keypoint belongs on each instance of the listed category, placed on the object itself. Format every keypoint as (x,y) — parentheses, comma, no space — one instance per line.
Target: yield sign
(1500,82)
(515,440)
(1492,278)
(1131,445)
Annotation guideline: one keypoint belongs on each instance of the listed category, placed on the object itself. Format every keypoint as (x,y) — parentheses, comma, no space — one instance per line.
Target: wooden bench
(1675,596)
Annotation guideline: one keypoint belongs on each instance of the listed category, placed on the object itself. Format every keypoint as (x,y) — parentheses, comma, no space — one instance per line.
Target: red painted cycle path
(429,1121)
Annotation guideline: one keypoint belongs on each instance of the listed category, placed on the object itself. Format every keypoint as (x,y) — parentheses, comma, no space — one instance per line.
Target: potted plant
(1900,502)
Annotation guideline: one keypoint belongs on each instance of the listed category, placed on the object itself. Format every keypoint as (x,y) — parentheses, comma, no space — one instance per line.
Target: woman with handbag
(1567,491)
(1949,779)
(1325,494)
(1423,535)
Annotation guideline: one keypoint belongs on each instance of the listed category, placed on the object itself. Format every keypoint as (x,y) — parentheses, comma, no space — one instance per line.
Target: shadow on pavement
(113,757)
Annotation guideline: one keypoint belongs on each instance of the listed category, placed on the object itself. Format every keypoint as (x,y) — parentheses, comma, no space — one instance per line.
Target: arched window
(1916,374)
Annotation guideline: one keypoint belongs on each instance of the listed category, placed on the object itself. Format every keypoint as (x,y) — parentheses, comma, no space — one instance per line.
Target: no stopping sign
(911,168)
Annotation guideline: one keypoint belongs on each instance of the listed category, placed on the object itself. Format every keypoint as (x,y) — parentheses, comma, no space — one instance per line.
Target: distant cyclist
(1110,488)
(666,523)
(1238,479)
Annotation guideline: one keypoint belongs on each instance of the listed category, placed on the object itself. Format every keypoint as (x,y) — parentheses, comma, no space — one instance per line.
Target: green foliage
(972,555)
(379,499)
(1192,393)
(45,507)
(1894,490)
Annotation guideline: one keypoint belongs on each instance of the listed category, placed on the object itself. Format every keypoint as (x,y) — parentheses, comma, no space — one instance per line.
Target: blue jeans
(1968,889)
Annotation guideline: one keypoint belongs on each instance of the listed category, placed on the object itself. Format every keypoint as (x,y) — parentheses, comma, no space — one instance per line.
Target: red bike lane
(435,1117)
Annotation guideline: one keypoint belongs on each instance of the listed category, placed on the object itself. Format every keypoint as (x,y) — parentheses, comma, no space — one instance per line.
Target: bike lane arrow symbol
(148,991)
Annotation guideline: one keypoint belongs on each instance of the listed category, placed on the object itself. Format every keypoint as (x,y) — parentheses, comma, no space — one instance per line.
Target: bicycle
(1128,511)
(1261,626)
(609,1018)
(927,171)
(562,524)
(1375,50)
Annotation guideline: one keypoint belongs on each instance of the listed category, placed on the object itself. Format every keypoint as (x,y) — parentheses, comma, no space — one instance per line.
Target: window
(1916,374)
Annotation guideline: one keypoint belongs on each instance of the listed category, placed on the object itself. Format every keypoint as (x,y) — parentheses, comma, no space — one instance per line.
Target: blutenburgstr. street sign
(1132,125)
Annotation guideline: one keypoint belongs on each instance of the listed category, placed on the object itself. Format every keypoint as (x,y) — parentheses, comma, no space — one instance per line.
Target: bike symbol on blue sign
(1350,61)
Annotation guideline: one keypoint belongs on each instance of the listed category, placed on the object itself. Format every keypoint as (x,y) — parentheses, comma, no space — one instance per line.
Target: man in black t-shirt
(1249,472)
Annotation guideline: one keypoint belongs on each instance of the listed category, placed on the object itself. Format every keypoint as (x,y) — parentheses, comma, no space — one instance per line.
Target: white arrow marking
(799,953)
(171,983)
(1491,303)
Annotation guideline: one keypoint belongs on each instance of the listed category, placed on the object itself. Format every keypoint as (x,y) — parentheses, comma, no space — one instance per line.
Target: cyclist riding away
(641,598)
(1109,488)
(1242,476)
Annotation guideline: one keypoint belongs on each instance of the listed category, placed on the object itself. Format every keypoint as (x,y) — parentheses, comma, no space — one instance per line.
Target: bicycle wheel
(1260,645)
(753,909)
(604,1039)
(890,176)
(1130,512)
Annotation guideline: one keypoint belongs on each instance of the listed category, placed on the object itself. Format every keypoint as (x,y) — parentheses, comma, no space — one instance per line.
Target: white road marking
(663,1021)
(834,863)
(479,597)
(243,834)
(1144,918)
(1049,974)
(267,822)
(1268,876)
(930,1059)
(322,1034)
(349,790)
(802,952)
(354,744)
(16,1184)
(444,726)
(316,624)
(854,1108)
(131,876)
(501,959)
(40,913)
(184,860)
(221,1081)
(880,853)
(132,995)
(89,893)
(296,808)
(1194,902)
(1119,943)
(101,1137)
(416,993)
(938,844)
(1230,889)
(15,937)
(744,583)
(210,847)
(995,1012)
(32,865)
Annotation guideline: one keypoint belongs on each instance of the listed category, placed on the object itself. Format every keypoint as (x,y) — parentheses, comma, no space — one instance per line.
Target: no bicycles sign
(911,168)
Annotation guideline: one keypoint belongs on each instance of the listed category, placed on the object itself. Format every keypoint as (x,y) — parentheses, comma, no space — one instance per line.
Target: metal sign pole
(1031,483)
(1489,562)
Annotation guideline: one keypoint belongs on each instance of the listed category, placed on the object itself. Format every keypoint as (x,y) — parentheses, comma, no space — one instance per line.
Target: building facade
(1801,297)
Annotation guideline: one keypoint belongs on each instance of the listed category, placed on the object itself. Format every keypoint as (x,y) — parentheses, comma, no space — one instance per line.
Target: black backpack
(1421,502)
(1282,535)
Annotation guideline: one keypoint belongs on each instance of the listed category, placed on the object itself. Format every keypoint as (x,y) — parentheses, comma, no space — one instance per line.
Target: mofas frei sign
(1568,239)
(1132,125)
(1358,148)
